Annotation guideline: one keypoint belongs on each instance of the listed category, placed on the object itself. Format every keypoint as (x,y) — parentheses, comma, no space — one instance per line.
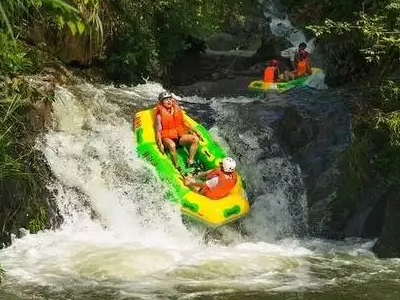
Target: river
(121,239)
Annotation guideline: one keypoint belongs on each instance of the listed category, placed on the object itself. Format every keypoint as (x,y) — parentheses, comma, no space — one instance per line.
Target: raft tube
(212,213)
(280,87)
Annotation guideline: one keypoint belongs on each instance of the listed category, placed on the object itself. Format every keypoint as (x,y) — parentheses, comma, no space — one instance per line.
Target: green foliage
(142,37)
(23,173)
(14,59)
(132,54)
(12,12)
(11,165)
(150,35)
(369,30)
(376,26)
(376,36)
(375,148)
(38,221)
(356,170)
(386,118)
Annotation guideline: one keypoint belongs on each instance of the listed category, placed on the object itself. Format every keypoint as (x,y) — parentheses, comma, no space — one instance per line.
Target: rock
(208,66)
(320,217)
(315,133)
(388,244)
(222,42)
(271,46)
(70,49)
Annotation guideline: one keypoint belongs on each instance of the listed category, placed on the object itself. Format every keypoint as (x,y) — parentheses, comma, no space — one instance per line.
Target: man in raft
(302,64)
(302,68)
(171,128)
(219,182)
(272,73)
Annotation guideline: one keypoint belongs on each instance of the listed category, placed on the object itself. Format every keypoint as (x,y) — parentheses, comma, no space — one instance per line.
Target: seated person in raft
(302,64)
(272,73)
(218,183)
(172,130)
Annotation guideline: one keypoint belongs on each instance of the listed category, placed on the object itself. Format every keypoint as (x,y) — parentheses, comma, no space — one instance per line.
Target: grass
(11,164)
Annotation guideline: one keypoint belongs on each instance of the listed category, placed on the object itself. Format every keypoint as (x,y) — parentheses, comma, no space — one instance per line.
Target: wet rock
(388,244)
(222,42)
(25,202)
(208,67)
(320,217)
(271,46)
(69,48)
(314,132)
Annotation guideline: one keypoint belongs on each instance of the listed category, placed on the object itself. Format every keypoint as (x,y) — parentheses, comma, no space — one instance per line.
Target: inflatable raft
(212,213)
(280,87)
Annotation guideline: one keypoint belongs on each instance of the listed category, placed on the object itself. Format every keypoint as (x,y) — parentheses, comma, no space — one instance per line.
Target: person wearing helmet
(172,130)
(302,64)
(300,51)
(271,72)
(218,182)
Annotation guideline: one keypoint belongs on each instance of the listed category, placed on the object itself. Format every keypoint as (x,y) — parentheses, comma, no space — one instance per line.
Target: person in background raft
(302,64)
(219,181)
(272,73)
(172,130)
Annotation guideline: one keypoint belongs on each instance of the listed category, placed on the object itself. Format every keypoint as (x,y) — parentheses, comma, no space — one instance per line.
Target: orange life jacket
(302,67)
(269,74)
(173,126)
(224,187)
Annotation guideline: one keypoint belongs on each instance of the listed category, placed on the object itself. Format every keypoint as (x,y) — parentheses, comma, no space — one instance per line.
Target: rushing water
(122,240)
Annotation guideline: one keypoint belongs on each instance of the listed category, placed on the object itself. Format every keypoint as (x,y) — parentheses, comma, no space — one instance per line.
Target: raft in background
(280,87)
(212,213)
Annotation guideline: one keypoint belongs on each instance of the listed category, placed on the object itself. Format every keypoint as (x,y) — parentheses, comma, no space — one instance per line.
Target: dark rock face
(194,67)
(26,203)
(271,46)
(388,244)
(314,132)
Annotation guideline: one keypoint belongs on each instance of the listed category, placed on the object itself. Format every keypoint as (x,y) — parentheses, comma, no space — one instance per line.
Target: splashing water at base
(121,239)
(278,200)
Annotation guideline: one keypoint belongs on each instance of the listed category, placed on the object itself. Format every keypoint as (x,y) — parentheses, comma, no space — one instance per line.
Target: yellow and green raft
(261,86)
(212,213)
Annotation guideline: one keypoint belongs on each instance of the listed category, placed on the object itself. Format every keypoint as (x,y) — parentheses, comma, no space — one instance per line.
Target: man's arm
(158,128)
(211,183)
(203,174)
(199,184)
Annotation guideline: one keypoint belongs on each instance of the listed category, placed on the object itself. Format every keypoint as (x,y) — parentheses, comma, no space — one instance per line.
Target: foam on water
(119,231)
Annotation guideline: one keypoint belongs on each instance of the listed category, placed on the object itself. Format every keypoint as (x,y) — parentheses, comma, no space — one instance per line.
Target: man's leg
(170,145)
(193,141)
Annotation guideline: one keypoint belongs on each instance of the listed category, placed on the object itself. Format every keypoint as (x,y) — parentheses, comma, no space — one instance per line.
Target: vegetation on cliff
(362,43)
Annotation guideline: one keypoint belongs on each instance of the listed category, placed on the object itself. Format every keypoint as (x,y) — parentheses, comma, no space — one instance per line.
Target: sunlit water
(121,239)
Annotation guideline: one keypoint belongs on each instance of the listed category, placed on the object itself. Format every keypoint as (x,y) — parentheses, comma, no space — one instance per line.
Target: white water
(137,245)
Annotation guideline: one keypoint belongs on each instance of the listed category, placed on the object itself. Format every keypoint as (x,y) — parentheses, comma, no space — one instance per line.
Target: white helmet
(228,164)
(164,95)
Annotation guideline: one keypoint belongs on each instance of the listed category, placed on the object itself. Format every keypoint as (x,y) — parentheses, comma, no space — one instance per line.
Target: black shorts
(176,141)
